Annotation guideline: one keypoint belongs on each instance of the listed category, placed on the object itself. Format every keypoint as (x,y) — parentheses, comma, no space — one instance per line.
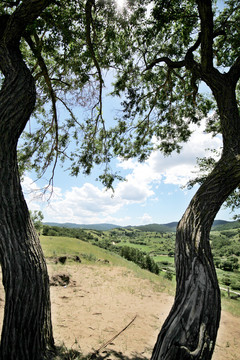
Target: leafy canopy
(153,52)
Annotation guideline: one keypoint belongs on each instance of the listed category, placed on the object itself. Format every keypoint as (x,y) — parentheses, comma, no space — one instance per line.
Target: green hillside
(55,247)
(156,227)
(219,225)
(169,227)
(103,226)
(104,249)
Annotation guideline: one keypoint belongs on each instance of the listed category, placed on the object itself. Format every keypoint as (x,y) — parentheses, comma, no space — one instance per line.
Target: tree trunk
(27,329)
(190,330)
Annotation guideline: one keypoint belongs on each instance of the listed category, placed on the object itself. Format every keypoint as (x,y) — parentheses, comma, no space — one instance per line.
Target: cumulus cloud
(85,204)
(176,169)
(92,204)
(146,219)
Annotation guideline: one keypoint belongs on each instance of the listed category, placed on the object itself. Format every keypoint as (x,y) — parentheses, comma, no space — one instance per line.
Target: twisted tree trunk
(190,330)
(27,328)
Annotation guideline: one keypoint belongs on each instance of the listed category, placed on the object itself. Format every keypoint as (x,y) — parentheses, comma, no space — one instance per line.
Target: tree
(160,54)
(205,166)
(27,329)
(45,53)
(171,52)
(37,218)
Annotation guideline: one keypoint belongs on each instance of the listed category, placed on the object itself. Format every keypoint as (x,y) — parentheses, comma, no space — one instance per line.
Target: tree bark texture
(27,328)
(190,330)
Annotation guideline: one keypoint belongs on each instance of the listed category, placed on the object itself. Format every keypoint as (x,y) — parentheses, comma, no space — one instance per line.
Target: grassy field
(54,247)
(91,254)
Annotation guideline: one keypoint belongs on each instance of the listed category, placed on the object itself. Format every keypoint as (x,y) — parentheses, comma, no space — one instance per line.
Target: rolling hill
(218,225)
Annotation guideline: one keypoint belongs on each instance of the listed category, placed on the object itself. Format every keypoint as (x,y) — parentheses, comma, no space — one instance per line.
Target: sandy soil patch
(102,300)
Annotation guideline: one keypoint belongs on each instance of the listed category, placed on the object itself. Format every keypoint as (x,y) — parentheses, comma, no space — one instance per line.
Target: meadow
(107,291)
(94,246)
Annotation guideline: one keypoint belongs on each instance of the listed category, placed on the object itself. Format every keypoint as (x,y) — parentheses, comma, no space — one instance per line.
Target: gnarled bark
(191,328)
(27,328)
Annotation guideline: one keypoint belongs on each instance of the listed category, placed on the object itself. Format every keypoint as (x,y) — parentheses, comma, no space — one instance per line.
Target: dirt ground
(103,300)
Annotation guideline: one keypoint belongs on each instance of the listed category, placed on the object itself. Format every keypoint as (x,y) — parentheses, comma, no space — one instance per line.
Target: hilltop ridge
(169,227)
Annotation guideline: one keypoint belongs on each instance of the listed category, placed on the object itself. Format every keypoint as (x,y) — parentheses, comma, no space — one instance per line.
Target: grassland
(103,247)
(54,247)
(100,251)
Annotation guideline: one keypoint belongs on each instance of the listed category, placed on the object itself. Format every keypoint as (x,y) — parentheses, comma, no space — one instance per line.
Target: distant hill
(218,225)
(156,227)
(84,226)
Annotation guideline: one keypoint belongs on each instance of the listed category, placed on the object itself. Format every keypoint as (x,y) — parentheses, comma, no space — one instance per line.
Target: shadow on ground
(66,354)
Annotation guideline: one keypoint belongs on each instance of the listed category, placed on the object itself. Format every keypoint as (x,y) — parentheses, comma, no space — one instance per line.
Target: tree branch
(171,64)
(44,72)
(234,72)
(177,64)
(206,16)
(24,15)
(89,23)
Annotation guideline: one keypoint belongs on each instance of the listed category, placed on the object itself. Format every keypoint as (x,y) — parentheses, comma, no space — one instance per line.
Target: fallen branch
(113,338)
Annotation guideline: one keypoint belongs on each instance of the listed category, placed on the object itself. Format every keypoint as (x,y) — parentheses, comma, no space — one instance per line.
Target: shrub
(230,264)
(168,274)
(139,258)
(217,261)
(226,280)
(235,285)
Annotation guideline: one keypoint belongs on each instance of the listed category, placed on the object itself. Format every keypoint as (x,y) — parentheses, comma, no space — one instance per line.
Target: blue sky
(152,192)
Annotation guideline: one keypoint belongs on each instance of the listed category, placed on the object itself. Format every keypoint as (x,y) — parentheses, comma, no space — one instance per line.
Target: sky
(152,193)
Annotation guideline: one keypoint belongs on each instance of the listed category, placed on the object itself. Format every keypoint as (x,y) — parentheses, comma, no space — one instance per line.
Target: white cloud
(91,204)
(145,219)
(176,169)
(86,204)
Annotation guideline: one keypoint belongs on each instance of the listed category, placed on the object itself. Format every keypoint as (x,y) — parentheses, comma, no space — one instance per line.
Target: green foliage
(67,49)
(204,167)
(230,264)
(135,255)
(227,265)
(62,231)
(235,285)
(226,280)
(226,242)
(217,261)
(148,53)
(37,218)
(168,274)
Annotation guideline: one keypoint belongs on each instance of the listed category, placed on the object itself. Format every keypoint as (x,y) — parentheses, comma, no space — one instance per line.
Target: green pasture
(163,258)
(54,246)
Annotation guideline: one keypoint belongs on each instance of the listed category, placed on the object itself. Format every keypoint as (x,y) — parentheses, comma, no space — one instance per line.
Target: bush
(168,274)
(139,258)
(226,280)
(235,285)
(230,264)
(217,262)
